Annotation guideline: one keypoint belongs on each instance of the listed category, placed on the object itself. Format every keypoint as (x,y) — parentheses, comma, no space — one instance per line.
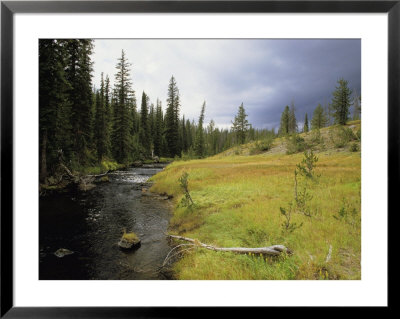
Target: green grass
(100,168)
(237,203)
(130,237)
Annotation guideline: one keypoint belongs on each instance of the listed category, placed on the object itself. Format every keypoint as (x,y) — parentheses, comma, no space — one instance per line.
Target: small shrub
(295,144)
(108,165)
(306,169)
(189,155)
(308,163)
(183,181)
(358,134)
(316,137)
(288,225)
(302,199)
(347,213)
(261,146)
(354,147)
(341,136)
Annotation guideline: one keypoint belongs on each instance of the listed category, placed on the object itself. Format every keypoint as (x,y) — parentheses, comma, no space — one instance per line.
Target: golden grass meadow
(237,203)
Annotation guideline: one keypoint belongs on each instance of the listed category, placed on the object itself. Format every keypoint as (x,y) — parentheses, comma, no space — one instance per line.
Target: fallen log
(68,171)
(274,250)
(84,182)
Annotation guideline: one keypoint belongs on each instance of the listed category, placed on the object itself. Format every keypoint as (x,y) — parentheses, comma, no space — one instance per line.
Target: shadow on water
(90,224)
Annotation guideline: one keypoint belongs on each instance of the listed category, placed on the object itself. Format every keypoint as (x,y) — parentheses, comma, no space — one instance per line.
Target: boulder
(129,241)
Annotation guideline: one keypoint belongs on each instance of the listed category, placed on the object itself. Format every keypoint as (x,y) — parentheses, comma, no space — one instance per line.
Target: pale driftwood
(85,182)
(181,245)
(67,170)
(274,250)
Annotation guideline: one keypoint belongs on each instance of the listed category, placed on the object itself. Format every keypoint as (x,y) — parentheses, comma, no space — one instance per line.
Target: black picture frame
(9,8)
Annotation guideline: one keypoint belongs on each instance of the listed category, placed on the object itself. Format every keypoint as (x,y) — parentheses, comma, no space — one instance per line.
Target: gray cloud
(265,75)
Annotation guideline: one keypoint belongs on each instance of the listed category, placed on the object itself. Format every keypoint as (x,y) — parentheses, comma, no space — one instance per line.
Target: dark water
(90,224)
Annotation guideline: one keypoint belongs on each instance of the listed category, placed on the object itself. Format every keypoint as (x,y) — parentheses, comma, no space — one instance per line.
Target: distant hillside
(328,136)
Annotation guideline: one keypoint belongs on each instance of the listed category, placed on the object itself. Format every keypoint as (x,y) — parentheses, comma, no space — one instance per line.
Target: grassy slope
(238,200)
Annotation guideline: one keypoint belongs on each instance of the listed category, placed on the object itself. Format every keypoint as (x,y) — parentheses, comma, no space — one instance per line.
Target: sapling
(183,180)
(307,164)
(287,224)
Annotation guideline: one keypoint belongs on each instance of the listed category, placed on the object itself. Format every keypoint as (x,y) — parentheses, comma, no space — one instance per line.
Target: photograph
(199,159)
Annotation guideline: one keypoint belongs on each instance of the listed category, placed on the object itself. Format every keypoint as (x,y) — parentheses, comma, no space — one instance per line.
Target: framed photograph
(160,155)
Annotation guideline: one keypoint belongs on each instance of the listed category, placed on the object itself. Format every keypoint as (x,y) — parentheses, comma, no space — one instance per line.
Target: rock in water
(63,252)
(129,241)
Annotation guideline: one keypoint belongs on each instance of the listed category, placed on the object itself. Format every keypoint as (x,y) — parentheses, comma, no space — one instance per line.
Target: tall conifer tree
(158,129)
(200,142)
(144,131)
(172,119)
(54,108)
(240,125)
(292,119)
(319,119)
(284,125)
(305,127)
(99,126)
(123,97)
(341,102)
(79,74)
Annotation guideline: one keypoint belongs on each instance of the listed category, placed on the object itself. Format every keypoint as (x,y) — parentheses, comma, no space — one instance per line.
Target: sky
(264,74)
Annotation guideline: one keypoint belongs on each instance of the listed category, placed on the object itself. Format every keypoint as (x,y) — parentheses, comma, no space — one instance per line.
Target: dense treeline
(81,126)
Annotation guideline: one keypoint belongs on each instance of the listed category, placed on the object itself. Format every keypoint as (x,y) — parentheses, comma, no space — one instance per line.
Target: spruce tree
(135,117)
(184,135)
(292,119)
(172,119)
(108,115)
(144,135)
(356,106)
(100,126)
(152,124)
(123,97)
(54,108)
(200,142)
(158,130)
(79,74)
(319,119)
(189,134)
(212,137)
(305,127)
(284,125)
(341,102)
(240,125)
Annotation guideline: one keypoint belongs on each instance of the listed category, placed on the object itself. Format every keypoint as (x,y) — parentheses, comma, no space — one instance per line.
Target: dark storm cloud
(302,71)
(266,75)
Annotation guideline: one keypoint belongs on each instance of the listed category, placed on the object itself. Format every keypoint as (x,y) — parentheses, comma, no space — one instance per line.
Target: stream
(90,224)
